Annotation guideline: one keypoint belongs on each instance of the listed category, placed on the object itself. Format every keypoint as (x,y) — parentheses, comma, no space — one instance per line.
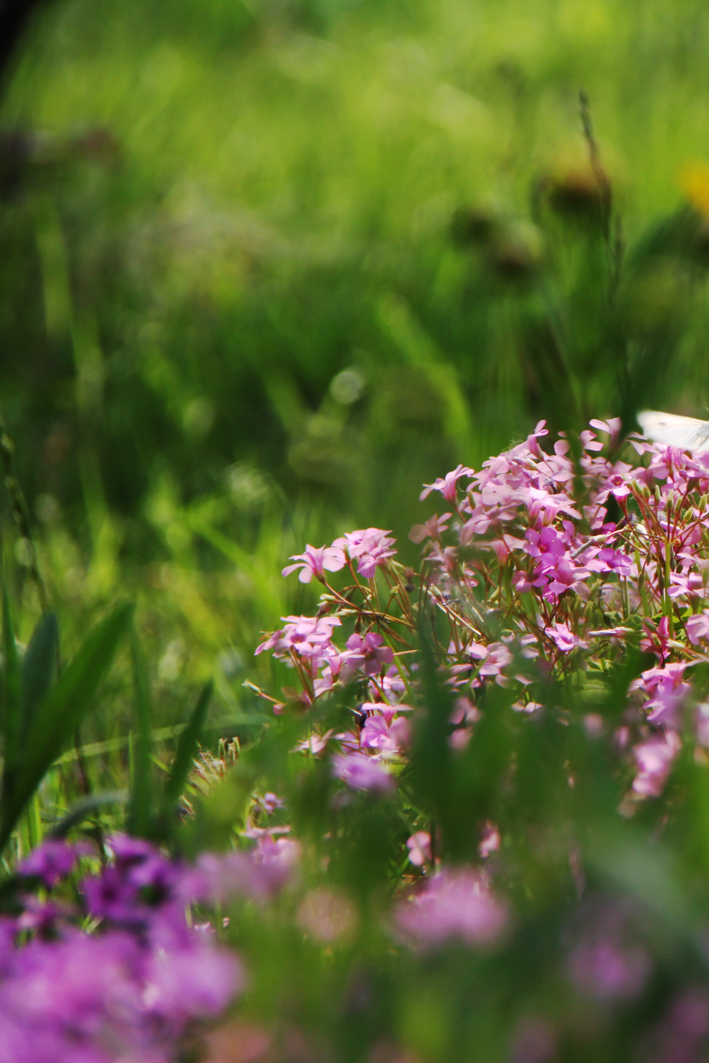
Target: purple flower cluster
(126,975)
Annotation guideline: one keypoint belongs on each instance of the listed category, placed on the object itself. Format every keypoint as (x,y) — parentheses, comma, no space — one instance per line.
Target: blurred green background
(269,265)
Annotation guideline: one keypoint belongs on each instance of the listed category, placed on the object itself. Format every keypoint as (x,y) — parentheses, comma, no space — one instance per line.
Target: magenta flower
(368,654)
(52,861)
(362,773)
(419,846)
(308,637)
(314,561)
(385,736)
(370,547)
(698,627)
(605,969)
(654,760)
(432,529)
(453,905)
(667,692)
(564,638)
(448,485)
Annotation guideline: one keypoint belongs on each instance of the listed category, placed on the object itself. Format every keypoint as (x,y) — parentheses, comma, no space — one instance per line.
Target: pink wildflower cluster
(543,563)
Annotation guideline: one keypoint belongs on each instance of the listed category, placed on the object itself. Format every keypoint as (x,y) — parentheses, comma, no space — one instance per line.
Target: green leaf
(62,711)
(39,668)
(11,700)
(186,748)
(141,783)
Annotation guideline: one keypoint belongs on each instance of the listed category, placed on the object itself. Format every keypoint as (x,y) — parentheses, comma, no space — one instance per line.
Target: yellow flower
(694,182)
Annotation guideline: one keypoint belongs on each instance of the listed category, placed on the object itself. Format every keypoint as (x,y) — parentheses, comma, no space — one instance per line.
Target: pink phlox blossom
(611,427)
(448,485)
(554,563)
(565,639)
(315,743)
(276,859)
(361,772)
(687,584)
(498,658)
(589,442)
(306,636)
(653,760)
(523,582)
(477,650)
(454,904)
(544,507)
(608,559)
(314,561)
(465,713)
(527,707)
(385,735)
(381,708)
(370,547)
(367,653)
(667,692)
(269,802)
(432,529)
(391,686)
(419,846)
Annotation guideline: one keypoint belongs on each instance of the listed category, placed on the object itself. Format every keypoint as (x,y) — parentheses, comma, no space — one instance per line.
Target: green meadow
(270,266)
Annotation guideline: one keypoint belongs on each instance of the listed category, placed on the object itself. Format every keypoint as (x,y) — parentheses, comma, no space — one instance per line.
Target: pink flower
(564,638)
(605,969)
(385,736)
(667,691)
(369,654)
(51,861)
(654,759)
(448,484)
(305,635)
(454,904)
(698,627)
(361,772)
(369,547)
(432,529)
(419,846)
(498,658)
(314,561)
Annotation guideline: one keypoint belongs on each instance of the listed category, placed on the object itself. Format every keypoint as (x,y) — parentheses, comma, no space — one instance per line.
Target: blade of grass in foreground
(61,712)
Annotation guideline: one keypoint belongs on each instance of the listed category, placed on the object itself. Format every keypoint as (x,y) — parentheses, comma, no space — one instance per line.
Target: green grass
(269,206)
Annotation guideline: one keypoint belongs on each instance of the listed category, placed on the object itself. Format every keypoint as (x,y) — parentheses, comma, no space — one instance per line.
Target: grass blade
(11,700)
(84,808)
(186,748)
(39,668)
(141,783)
(62,711)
